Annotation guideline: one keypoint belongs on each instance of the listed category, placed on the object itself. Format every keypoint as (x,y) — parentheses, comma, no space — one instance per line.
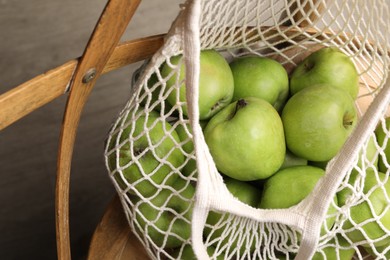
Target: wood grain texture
(35,93)
(107,34)
(133,51)
(113,239)
(39,91)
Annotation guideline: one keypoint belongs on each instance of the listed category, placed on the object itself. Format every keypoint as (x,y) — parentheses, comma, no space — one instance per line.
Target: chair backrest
(77,79)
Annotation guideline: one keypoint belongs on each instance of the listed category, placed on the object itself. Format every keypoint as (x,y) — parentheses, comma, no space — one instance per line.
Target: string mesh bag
(176,200)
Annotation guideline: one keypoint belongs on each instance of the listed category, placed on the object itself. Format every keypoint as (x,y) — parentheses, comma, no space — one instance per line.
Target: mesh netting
(176,200)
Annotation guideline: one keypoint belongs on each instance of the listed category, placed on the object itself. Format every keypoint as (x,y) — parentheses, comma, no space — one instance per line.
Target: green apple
(150,93)
(166,218)
(243,191)
(187,253)
(321,165)
(317,121)
(367,157)
(378,250)
(383,142)
(246,139)
(340,250)
(217,222)
(373,203)
(282,256)
(260,77)
(216,83)
(184,131)
(290,186)
(292,160)
(151,85)
(144,153)
(326,66)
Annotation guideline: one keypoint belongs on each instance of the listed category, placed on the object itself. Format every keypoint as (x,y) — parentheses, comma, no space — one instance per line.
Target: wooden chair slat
(108,31)
(42,89)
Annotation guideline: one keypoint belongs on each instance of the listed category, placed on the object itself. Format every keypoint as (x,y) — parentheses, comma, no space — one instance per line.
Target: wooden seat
(113,238)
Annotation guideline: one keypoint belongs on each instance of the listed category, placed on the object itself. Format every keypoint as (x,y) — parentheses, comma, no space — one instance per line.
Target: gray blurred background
(36,36)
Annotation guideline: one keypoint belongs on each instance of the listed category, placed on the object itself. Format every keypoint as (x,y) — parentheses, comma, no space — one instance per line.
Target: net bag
(178,200)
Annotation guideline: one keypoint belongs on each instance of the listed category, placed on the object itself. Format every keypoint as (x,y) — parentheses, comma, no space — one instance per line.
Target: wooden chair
(76,78)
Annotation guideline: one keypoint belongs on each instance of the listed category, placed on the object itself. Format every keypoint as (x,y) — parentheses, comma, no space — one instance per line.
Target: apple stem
(138,152)
(240,104)
(348,122)
(309,66)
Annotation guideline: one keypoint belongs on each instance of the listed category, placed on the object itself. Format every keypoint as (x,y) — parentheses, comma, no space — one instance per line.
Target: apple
(291,55)
(336,249)
(383,142)
(166,218)
(243,191)
(321,165)
(217,222)
(291,160)
(246,139)
(150,93)
(260,77)
(374,252)
(290,186)
(144,153)
(340,250)
(326,66)
(344,251)
(367,157)
(187,253)
(216,84)
(184,131)
(368,210)
(317,121)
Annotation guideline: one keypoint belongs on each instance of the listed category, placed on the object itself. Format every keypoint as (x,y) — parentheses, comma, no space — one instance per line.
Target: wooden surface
(33,94)
(106,36)
(36,37)
(113,238)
